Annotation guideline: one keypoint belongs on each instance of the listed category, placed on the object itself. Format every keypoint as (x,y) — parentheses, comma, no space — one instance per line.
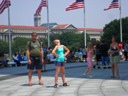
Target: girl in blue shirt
(58,52)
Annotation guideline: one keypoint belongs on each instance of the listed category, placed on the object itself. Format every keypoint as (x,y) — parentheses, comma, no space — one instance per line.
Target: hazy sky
(22,11)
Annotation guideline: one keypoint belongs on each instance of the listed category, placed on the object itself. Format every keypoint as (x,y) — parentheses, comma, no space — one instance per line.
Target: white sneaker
(90,77)
(84,74)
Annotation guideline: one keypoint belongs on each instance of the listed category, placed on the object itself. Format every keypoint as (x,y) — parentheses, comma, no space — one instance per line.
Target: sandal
(30,84)
(65,84)
(56,86)
(40,83)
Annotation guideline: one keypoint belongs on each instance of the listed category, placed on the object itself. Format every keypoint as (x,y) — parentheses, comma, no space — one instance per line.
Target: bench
(12,63)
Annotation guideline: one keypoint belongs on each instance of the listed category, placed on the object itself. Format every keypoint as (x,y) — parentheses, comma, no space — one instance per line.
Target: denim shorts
(36,63)
(59,64)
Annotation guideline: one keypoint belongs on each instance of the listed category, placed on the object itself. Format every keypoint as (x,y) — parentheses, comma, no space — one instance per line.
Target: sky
(22,13)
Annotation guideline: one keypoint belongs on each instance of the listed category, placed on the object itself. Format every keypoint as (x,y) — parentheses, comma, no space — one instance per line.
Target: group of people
(17,57)
(36,57)
(111,53)
(3,60)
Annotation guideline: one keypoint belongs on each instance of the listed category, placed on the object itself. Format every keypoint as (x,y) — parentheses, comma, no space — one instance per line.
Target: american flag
(76,5)
(114,4)
(42,4)
(4,4)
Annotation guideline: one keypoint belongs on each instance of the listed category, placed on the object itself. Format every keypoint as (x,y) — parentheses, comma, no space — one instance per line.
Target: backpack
(31,42)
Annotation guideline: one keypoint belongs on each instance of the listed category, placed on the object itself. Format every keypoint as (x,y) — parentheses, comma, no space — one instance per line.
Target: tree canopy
(113,29)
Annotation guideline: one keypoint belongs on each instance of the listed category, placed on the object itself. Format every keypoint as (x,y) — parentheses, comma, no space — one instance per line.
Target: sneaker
(65,84)
(84,74)
(56,86)
(90,77)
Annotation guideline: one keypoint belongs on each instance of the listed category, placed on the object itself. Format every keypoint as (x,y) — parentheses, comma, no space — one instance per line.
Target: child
(89,60)
(60,51)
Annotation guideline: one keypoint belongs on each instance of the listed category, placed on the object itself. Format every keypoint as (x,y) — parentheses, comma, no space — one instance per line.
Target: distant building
(22,31)
(50,25)
(93,32)
(25,31)
(37,20)
(60,28)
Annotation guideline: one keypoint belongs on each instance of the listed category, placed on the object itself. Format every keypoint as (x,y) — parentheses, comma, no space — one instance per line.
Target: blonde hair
(57,40)
(89,47)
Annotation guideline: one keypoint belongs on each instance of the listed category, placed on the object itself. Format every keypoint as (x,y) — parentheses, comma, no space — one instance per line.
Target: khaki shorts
(115,59)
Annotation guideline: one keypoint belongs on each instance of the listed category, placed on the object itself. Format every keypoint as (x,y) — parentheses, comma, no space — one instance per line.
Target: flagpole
(9,33)
(85,41)
(48,24)
(121,40)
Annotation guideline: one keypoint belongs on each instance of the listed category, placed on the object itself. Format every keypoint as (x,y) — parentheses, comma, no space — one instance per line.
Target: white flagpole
(121,40)
(85,41)
(9,33)
(48,23)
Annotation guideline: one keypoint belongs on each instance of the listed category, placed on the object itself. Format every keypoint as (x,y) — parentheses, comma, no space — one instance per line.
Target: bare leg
(56,74)
(87,70)
(90,71)
(44,65)
(113,67)
(39,76)
(30,77)
(117,69)
(63,74)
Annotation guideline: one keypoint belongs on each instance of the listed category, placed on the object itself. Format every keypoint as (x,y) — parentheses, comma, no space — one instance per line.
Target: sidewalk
(100,85)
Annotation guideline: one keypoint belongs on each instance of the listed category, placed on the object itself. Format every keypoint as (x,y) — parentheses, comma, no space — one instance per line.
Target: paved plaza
(14,82)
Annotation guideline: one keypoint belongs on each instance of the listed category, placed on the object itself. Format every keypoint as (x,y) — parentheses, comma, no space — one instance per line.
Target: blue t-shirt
(60,53)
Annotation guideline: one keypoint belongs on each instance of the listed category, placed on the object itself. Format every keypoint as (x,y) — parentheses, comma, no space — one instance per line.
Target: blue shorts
(59,64)
(36,63)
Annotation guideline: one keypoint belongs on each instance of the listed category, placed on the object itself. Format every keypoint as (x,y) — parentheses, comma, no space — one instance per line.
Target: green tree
(19,44)
(113,29)
(4,46)
(70,39)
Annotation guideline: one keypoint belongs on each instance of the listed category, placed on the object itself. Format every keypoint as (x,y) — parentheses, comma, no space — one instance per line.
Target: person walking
(35,58)
(89,60)
(58,52)
(114,57)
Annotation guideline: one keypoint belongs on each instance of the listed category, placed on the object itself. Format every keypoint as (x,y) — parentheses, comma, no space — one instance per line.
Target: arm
(54,51)
(67,51)
(42,53)
(118,49)
(28,56)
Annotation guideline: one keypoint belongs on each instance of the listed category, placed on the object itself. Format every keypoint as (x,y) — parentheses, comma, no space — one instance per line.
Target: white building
(25,31)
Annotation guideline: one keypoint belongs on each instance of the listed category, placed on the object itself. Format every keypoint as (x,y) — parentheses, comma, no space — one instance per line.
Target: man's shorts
(59,64)
(36,63)
(115,59)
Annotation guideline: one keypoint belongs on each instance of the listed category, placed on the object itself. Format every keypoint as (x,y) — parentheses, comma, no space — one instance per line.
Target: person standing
(84,54)
(58,52)
(126,51)
(45,57)
(114,57)
(89,60)
(104,55)
(35,58)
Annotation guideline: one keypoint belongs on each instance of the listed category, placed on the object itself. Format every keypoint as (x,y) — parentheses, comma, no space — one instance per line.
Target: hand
(57,56)
(29,61)
(112,52)
(64,55)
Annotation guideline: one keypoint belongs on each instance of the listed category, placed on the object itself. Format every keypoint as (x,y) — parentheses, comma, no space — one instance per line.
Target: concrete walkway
(100,85)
